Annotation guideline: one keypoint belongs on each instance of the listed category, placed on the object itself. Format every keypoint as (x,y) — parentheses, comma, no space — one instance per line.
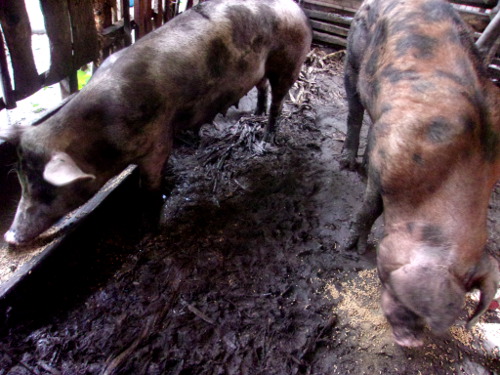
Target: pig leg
(354,120)
(371,209)
(261,97)
(152,167)
(407,327)
(281,81)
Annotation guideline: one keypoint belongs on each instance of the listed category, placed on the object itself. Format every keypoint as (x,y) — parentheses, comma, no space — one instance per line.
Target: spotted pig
(179,76)
(433,159)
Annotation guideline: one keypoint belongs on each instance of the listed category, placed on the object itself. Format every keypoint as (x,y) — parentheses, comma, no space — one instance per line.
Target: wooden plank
(329,39)
(9,100)
(158,15)
(17,31)
(142,18)
(329,28)
(330,5)
(329,17)
(58,27)
(484,4)
(85,41)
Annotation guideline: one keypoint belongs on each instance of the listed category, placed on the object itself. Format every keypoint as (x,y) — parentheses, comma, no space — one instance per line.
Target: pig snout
(420,287)
(30,220)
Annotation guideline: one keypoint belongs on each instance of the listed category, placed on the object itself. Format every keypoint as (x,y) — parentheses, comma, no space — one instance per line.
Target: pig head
(433,159)
(178,76)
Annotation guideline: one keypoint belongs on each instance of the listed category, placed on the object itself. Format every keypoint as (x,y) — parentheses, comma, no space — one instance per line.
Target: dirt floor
(247,274)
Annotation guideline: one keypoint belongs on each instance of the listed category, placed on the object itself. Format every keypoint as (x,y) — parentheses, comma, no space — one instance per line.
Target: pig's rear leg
(281,81)
(360,228)
(354,120)
(262,87)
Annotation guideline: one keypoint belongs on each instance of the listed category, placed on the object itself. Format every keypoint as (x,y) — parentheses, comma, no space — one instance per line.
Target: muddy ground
(247,274)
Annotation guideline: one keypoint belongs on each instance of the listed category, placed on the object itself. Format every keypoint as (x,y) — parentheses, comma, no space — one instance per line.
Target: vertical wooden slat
(126,22)
(168,12)
(158,15)
(142,18)
(58,27)
(17,32)
(9,100)
(85,42)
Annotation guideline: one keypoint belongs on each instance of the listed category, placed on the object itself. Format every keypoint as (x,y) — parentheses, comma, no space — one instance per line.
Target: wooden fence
(83,31)
(79,32)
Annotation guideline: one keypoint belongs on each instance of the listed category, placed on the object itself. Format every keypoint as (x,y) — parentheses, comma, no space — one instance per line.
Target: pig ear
(12,133)
(62,170)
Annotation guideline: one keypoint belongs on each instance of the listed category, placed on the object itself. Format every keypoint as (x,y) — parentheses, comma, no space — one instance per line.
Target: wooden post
(17,31)
(142,18)
(126,22)
(58,27)
(168,12)
(9,99)
(158,15)
(69,85)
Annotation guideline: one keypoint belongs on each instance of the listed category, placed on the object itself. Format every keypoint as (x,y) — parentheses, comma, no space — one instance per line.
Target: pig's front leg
(360,228)
(152,168)
(354,120)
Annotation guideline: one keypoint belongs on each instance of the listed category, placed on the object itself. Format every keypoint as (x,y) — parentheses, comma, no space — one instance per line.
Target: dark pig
(433,159)
(179,76)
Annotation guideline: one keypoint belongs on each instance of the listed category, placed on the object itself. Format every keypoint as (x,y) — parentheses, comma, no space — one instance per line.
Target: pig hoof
(408,342)
(270,137)
(348,163)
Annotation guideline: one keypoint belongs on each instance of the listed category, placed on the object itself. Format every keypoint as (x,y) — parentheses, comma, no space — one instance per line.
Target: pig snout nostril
(10,238)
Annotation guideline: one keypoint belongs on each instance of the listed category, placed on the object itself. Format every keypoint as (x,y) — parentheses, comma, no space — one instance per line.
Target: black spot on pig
(439,130)
(468,124)
(424,46)
(459,80)
(423,86)
(433,235)
(217,58)
(394,75)
(417,158)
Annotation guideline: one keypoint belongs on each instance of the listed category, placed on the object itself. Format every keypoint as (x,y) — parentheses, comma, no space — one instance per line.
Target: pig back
(206,59)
